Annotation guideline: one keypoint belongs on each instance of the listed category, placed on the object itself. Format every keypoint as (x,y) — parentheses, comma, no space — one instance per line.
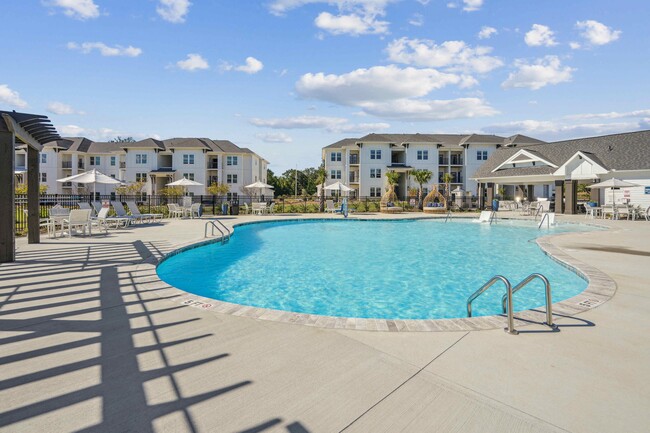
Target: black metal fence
(211,204)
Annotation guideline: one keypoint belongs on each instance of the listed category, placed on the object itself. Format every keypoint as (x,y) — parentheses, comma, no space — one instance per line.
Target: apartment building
(154,162)
(361,163)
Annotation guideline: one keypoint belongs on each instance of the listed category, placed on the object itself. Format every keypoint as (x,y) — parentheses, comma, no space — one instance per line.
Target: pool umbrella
(93,176)
(613,183)
(338,186)
(259,185)
(184,182)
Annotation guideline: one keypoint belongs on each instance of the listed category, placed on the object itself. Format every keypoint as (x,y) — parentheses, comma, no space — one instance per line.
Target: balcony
(66,164)
(354,159)
(456,160)
(80,165)
(122,164)
(353,177)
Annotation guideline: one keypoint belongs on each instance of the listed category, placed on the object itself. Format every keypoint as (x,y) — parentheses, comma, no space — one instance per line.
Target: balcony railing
(456,160)
(354,159)
(122,164)
(213,165)
(353,179)
(66,164)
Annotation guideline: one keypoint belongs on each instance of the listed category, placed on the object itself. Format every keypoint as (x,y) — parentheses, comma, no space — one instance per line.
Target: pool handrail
(547,289)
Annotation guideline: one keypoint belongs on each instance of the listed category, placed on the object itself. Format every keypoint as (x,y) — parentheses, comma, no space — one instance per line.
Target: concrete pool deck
(87,344)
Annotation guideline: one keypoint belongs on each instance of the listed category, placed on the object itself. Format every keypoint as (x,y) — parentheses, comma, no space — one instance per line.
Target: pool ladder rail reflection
(225,235)
(506,300)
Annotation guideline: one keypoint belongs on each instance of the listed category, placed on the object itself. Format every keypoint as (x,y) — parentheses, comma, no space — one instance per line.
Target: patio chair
(78,218)
(135,211)
(194,209)
(647,214)
(175,211)
(623,211)
(121,212)
(271,209)
(246,209)
(608,209)
(57,216)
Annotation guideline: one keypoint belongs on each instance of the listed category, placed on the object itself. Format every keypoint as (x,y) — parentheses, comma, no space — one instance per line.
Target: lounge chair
(434,202)
(121,212)
(102,220)
(271,209)
(135,211)
(97,205)
(329,206)
(246,209)
(86,205)
(78,218)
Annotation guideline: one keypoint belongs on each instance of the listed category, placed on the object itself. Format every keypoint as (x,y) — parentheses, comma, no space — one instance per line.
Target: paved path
(83,347)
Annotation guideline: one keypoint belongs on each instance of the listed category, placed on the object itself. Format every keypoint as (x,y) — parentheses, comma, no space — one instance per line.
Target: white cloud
(61,108)
(330,124)
(274,137)
(355,17)
(542,72)
(11,97)
(78,9)
(597,33)
(417,20)
(611,115)
(453,55)
(252,66)
(554,130)
(379,83)
(487,32)
(472,5)
(575,45)
(351,24)
(194,62)
(540,35)
(100,134)
(173,11)
(105,50)
(430,110)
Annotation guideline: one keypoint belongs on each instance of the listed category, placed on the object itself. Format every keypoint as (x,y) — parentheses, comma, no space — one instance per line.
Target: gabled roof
(519,139)
(185,143)
(525,156)
(105,147)
(345,142)
(446,140)
(482,139)
(626,151)
(144,144)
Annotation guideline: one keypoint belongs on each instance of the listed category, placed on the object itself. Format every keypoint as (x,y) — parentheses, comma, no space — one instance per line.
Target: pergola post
(33,197)
(571,197)
(559,196)
(490,194)
(7,195)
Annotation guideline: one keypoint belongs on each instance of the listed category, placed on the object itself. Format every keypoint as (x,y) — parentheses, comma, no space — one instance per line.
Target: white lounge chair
(329,206)
(246,209)
(271,209)
(121,212)
(135,211)
(194,209)
(78,218)
(102,220)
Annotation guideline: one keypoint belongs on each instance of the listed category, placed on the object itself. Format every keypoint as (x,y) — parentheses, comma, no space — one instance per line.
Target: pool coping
(599,290)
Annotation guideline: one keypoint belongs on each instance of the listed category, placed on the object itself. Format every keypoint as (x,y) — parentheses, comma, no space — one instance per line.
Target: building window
(375,191)
(375,154)
(375,173)
(335,156)
(141,158)
(335,174)
(113,159)
(481,155)
(43,158)
(188,159)
(141,177)
(95,160)
(43,177)
(231,178)
(423,155)
(231,160)
(113,176)
(188,176)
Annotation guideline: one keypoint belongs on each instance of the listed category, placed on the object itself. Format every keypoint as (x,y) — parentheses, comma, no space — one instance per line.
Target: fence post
(305,199)
(214,203)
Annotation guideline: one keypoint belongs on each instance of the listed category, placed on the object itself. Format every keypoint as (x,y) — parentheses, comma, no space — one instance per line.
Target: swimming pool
(406,269)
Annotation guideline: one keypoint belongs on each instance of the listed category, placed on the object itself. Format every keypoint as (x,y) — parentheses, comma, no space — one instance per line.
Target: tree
(421,177)
(21,189)
(172,191)
(134,188)
(321,176)
(119,139)
(218,188)
(392,177)
(447,178)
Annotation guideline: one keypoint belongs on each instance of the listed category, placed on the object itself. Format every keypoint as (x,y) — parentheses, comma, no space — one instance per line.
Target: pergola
(32,131)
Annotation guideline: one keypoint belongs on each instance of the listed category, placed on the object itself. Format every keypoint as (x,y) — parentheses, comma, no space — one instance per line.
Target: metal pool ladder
(506,300)
(225,237)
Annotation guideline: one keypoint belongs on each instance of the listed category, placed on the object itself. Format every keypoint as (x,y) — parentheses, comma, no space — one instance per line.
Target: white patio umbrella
(614,184)
(93,176)
(338,186)
(259,185)
(184,182)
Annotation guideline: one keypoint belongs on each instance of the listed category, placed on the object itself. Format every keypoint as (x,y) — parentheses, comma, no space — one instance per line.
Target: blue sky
(287,77)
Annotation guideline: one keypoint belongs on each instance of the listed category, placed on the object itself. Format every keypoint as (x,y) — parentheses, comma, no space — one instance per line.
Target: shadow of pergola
(85,349)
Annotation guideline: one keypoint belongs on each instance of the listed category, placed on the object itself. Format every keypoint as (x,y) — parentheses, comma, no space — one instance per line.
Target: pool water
(413,269)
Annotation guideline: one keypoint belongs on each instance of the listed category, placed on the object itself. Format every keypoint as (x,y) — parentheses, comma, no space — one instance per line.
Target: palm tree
(447,178)
(392,177)
(421,177)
